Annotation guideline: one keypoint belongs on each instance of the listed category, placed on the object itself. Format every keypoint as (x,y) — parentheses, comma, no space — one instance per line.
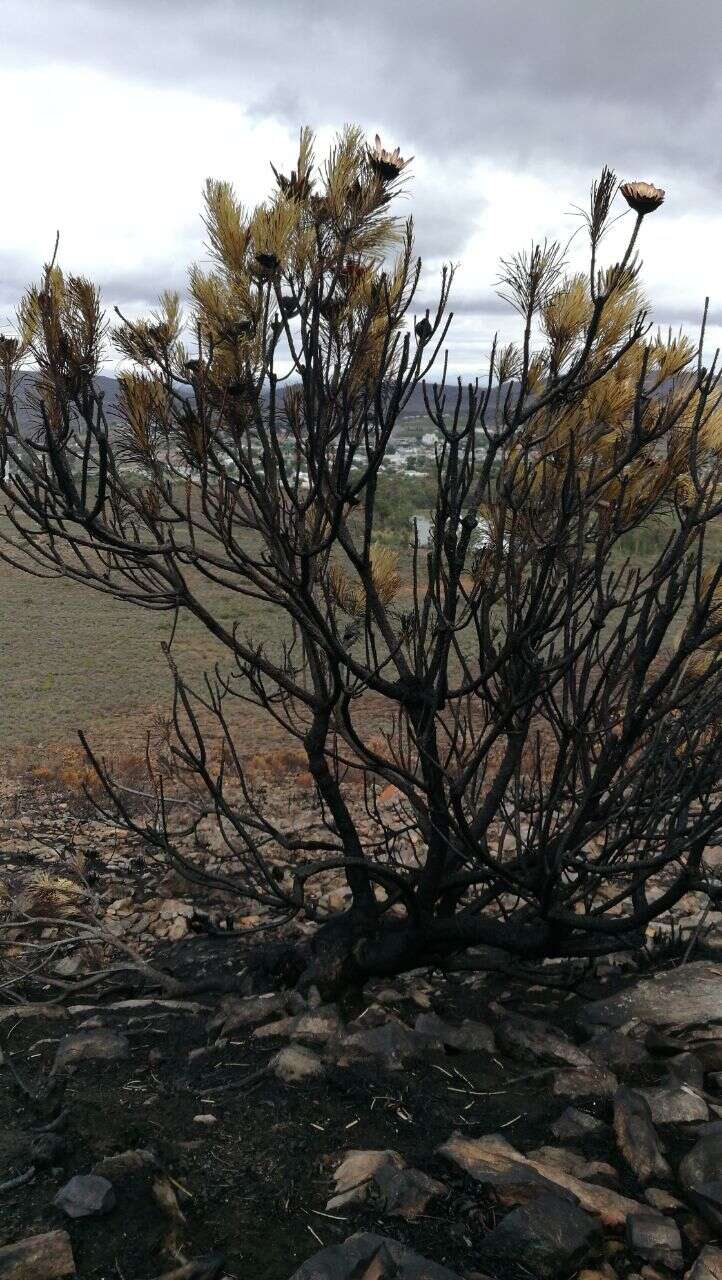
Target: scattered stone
(533,1041)
(280,1029)
(636,1135)
(85,1196)
(574,1123)
(686,1068)
(655,1239)
(662,1200)
(237,1014)
(663,1044)
(381,1178)
(517,1179)
(99,1045)
(708,1048)
(708,1265)
(574,1163)
(707,1199)
(548,1238)
(616,1052)
(584,1084)
(675,1104)
(687,996)
(406,1193)
(374,1015)
(175,909)
(704,1162)
(393,1041)
(46,1257)
(295,1063)
(321,1026)
(470,1037)
(368,1256)
(206,1118)
(355,1173)
(126,1162)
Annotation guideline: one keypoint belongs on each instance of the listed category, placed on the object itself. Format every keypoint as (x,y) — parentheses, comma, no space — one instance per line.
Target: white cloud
(118,167)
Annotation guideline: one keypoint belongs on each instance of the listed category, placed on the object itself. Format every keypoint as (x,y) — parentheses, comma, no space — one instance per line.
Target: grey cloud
(627,83)
(547,87)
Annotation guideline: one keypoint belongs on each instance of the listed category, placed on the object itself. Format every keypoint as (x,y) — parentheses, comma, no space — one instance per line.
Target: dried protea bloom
(354,270)
(268,261)
(240,387)
(8,348)
(297,187)
(643,197)
(331,310)
(320,208)
(159,332)
(239,329)
(387,164)
(424,329)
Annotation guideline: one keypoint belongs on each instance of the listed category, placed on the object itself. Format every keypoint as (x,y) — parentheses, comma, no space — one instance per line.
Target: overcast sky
(114,112)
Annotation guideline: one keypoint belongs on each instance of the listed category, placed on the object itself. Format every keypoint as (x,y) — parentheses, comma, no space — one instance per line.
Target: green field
(72,658)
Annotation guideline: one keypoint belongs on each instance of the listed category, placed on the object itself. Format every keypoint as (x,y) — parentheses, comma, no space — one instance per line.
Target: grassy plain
(71,658)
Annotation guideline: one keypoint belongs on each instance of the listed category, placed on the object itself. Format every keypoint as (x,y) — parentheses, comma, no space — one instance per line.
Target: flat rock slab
(46,1257)
(86,1196)
(637,1137)
(393,1041)
(98,1045)
(516,1179)
(708,1265)
(584,1084)
(295,1064)
(470,1037)
(707,1199)
(675,1104)
(548,1239)
(355,1173)
(683,997)
(382,1179)
(532,1041)
(370,1255)
(238,1014)
(655,1240)
(704,1162)
(616,1052)
(574,1123)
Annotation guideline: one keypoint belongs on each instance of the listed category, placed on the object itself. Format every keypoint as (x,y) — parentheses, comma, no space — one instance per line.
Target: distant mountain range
(109,386)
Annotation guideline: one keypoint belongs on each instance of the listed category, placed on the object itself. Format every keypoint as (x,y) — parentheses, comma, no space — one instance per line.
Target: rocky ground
(567,1123)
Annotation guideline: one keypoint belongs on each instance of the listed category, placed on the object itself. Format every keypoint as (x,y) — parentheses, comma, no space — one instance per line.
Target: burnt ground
(254,1183)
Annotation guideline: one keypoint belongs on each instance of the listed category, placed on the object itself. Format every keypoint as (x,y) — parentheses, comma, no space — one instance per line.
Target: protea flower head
(239,329)
(643,197)
(268,261)
(387,164)
(297,187)
(319,208)
(8,347)
(354,270)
